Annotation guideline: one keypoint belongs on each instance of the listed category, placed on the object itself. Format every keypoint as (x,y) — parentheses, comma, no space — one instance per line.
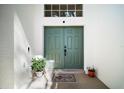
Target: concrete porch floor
(82,81)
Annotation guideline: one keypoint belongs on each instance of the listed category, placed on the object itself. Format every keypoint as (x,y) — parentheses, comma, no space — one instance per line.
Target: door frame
(66,26)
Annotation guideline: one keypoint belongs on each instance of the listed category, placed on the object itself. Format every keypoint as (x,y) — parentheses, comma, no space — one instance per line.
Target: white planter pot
(39,74)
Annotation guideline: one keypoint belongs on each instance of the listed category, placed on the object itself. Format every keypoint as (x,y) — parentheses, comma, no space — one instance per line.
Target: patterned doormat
(64,77)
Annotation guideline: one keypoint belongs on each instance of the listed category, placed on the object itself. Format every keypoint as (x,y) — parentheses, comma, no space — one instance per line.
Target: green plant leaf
(38,64)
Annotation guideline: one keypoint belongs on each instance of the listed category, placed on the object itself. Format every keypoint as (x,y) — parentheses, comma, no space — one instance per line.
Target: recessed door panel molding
(69,42)
(65,46)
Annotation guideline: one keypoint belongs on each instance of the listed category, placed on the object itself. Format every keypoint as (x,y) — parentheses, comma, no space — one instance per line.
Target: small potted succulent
(38,65)
(91,71)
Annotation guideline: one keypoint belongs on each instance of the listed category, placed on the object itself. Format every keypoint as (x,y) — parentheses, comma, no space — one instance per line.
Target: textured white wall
(69,21)
(31,17)
(22,57)
(6,47)
(104,42)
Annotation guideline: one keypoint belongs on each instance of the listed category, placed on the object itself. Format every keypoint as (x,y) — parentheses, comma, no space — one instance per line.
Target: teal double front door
(64,45)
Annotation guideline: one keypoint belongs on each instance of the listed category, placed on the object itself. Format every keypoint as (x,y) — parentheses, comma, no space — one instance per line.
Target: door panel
(74,45)
(53,45)
(65,46)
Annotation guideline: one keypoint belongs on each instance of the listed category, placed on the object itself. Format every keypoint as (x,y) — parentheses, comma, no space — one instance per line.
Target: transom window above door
(63,10)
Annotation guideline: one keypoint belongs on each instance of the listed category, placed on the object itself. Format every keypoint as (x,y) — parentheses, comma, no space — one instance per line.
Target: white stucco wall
(31,17)
(22,57)
(6,47)
(69,21)
(14,56)
(104,42)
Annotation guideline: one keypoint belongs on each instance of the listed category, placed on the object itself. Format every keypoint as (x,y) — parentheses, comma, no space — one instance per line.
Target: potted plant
(91,71)
(38,65)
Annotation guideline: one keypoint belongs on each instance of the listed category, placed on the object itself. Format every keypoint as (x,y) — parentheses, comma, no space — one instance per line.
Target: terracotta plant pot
(91,73)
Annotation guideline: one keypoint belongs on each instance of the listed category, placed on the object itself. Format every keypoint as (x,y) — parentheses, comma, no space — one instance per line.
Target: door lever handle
(65,52)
